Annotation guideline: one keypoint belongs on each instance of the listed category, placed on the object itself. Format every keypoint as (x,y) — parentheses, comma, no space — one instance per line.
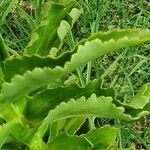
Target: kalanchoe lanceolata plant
(38,111)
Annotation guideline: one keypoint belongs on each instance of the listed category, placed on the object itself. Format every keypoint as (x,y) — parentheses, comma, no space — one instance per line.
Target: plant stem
(91,123)
(119,137)
(88,72)
(79,72)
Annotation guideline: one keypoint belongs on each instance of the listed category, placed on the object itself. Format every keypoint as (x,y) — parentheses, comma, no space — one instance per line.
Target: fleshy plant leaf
(68,142)
(24,84)
(39,108)
(103,137)
(49,34)
(43,102)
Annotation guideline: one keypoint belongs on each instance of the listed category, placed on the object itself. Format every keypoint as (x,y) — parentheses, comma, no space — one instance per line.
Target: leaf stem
(88,72)
(91,122)
(119,137)
(79,72)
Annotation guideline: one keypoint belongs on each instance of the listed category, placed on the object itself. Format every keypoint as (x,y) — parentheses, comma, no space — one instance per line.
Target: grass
(126,70)
(132,65)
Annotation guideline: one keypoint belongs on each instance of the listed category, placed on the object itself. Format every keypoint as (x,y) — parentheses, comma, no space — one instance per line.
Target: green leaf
(3,49)
(39,145)
(73,124)
(102,138)
(75,13)
(50,34)
(116,35)
(53,131)
(69,143)
(140,100)
(15,109)
(1,75)
(4,132)
(145,90)
(50,98)
(139,104)
(96,46)
(30,81)
(98,107)
(69,126)
(61,1)
(28,63)
(11,128)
